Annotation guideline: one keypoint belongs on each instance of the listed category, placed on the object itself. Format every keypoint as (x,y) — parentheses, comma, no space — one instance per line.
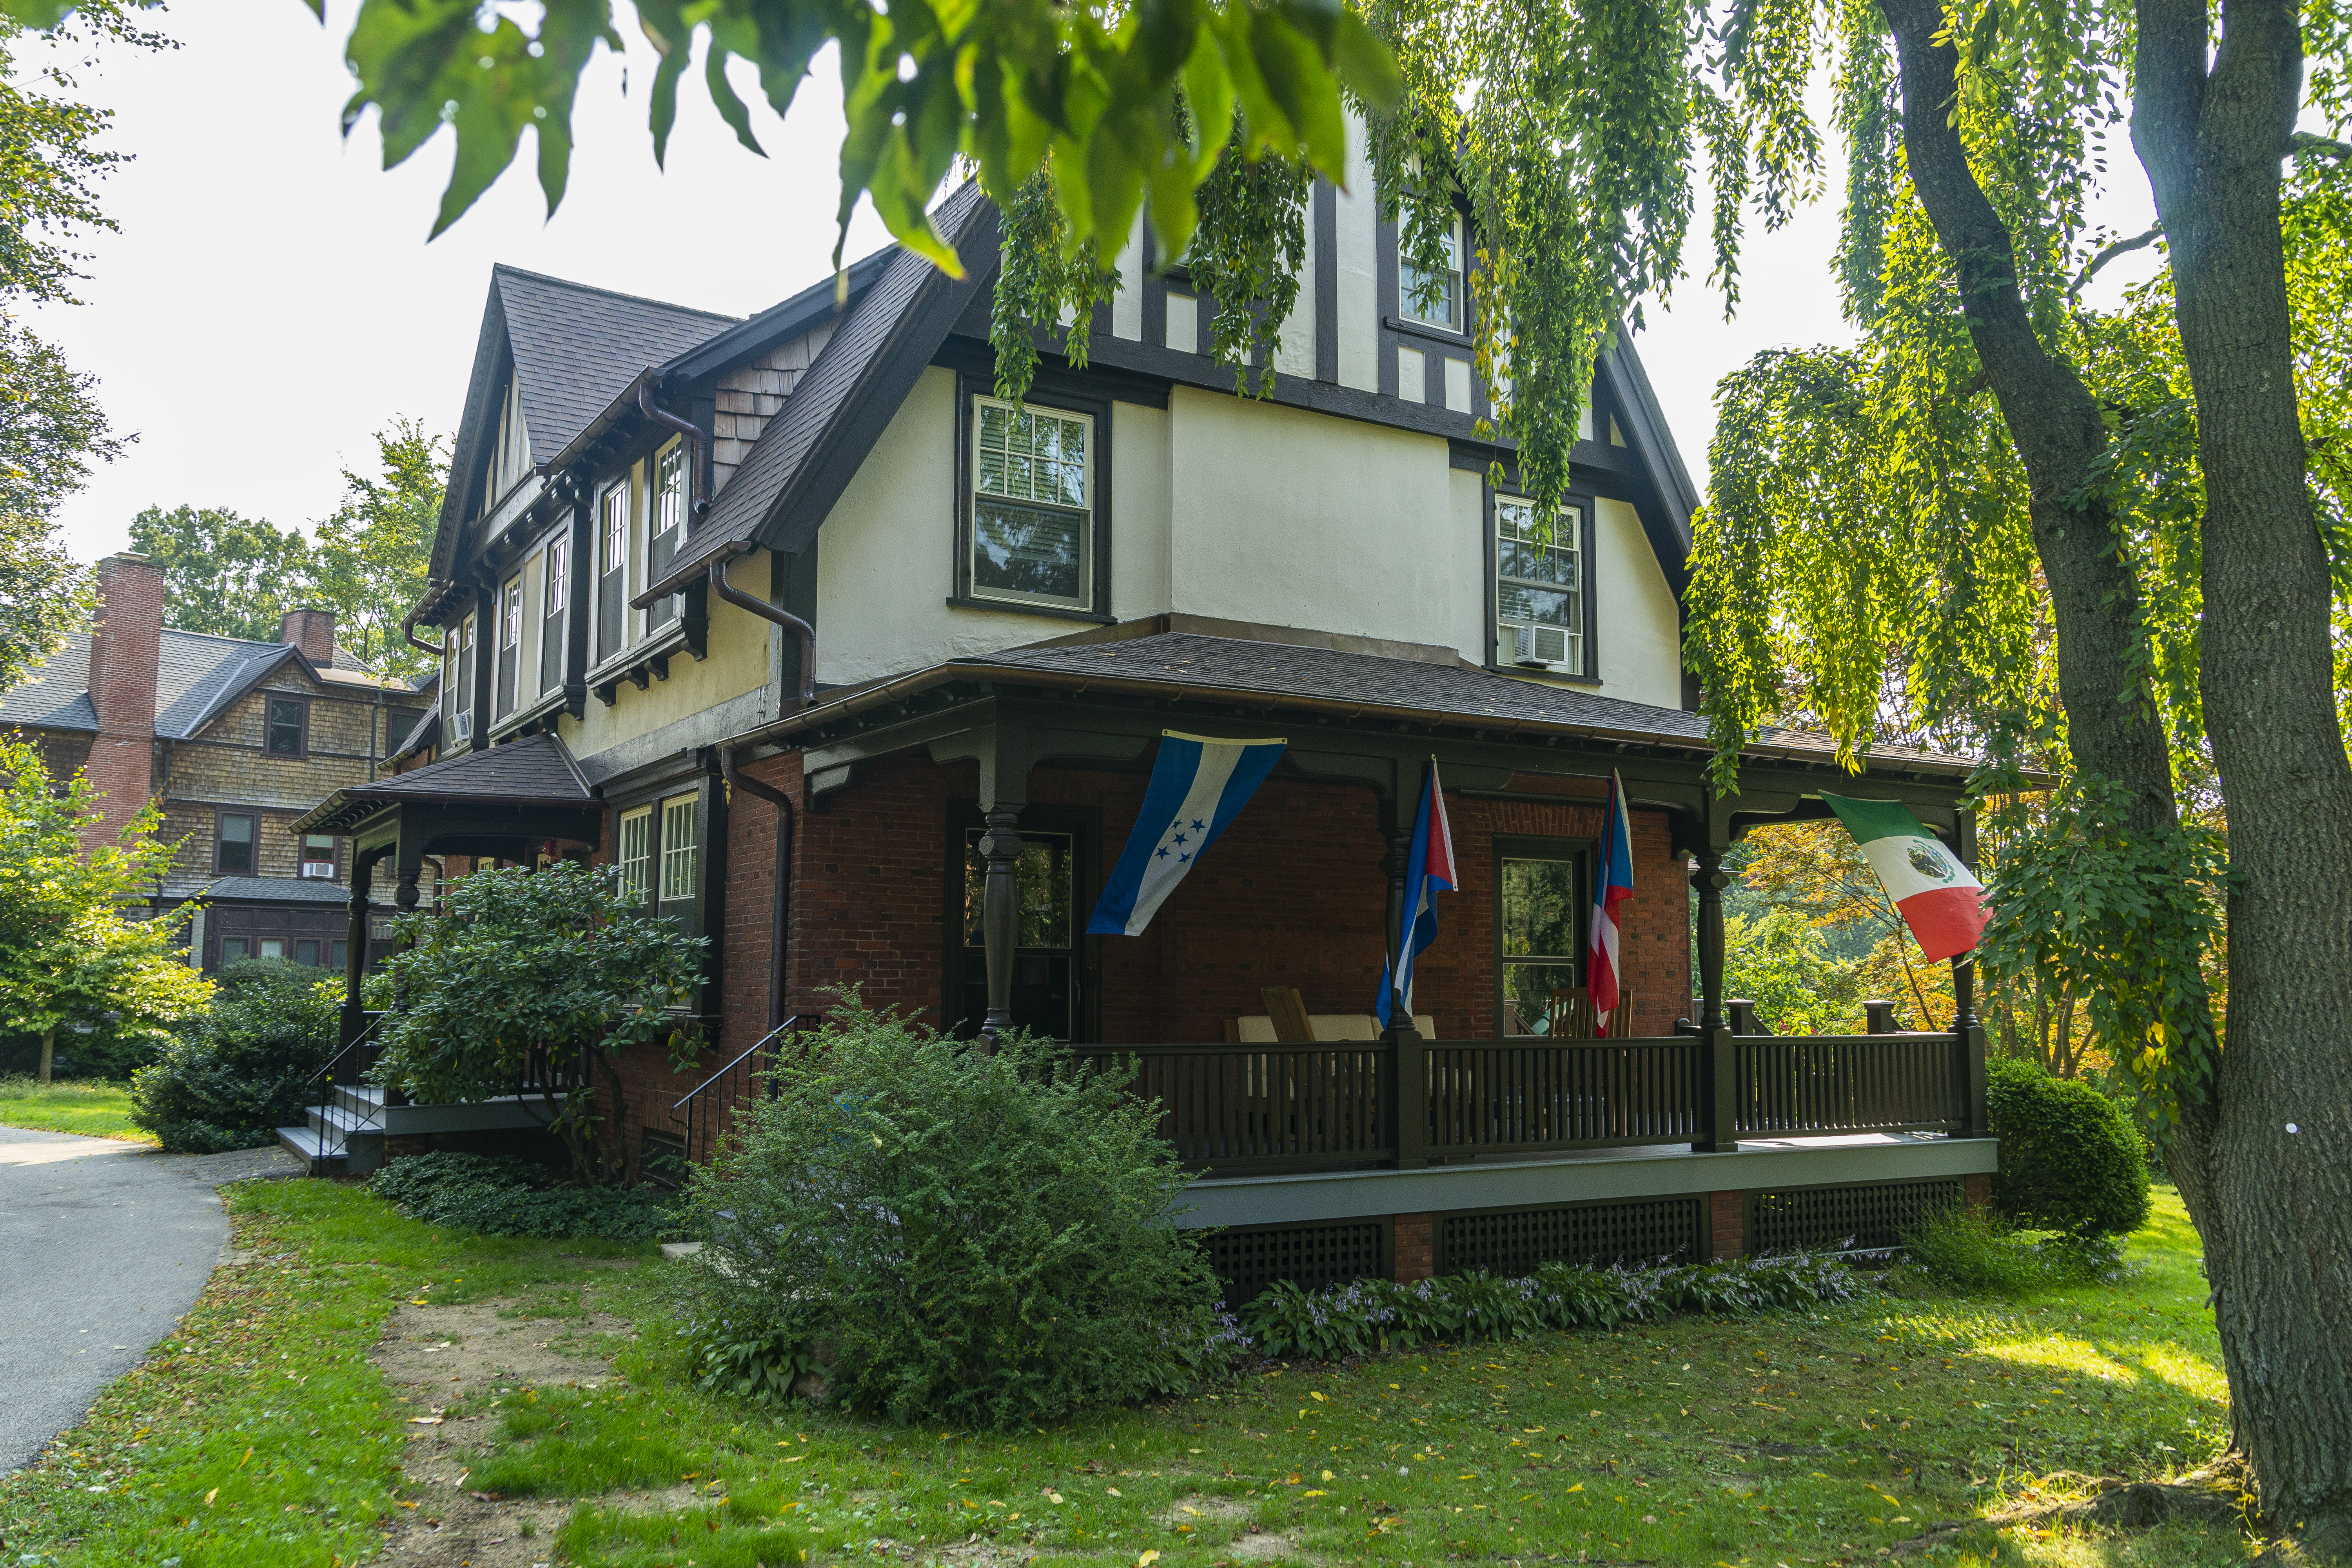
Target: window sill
(637,662)
(1557,677)
(1411,329)
(1013,607)
(541,706)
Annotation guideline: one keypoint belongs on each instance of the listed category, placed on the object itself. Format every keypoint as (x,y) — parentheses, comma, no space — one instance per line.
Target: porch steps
(345,1135)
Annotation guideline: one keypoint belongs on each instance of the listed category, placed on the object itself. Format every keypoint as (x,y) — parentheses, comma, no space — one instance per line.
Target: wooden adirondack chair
(1570,1015)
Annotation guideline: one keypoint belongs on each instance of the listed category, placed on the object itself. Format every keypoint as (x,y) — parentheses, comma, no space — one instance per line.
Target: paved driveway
(102,1245)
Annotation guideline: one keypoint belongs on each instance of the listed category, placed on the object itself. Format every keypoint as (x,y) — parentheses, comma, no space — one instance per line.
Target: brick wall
(312,631)
(1415,1250)
(1727,1215)
(123,656)
(1292,895)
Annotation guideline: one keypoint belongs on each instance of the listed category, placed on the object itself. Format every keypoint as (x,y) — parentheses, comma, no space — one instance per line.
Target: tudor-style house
(859,672)
(233,740)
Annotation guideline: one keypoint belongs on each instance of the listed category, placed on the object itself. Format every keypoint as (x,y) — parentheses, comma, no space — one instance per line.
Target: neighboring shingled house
(235,739)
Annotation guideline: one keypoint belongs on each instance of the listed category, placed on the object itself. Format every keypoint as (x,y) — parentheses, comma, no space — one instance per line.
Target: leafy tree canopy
(69,954)
(225,574)
(370,558)
(521,980)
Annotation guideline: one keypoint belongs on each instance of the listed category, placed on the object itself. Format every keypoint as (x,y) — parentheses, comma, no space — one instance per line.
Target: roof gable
(808,452)
(572,349)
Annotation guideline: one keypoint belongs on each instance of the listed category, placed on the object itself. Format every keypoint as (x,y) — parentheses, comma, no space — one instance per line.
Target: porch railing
(1251,1109)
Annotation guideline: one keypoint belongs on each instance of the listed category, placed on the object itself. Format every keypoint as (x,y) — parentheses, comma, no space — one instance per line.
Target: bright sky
(271,300)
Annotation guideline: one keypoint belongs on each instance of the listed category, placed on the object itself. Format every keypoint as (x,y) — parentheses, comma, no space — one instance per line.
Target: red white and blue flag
(1612,885)
(1429,870)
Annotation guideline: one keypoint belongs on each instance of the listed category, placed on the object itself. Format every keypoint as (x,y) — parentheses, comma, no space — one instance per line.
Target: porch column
(1710,880)
(355,949)
(1718,1126)
(1000,847)
(1965,1026)
(1399,833)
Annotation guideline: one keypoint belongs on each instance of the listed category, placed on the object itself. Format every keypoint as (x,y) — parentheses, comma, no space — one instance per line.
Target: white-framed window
(1032,505)
(678,836)
(554,605)
(1538,587)
(461,681)
(611,572)
(666,527)
(637,847)
(510,618)
(1433,299)
(510,457)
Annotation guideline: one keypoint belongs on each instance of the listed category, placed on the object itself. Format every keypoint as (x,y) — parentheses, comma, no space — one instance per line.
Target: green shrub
(513,1198)
(1977,1255)
(975,1237)
(233,1076)
(2071,1159)
(1368,1315)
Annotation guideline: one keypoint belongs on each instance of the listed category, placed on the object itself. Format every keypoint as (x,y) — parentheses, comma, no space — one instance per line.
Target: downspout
(698,502)
(408,633)
(786,817)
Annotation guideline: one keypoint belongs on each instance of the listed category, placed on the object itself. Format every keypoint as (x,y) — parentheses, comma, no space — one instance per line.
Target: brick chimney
(312,631)
(124,654)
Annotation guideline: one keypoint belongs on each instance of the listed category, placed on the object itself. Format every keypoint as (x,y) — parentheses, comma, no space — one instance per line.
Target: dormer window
(1032,505)
(1433,298)
(1538,587)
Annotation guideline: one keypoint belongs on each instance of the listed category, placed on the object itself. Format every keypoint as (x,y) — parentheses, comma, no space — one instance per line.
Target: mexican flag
(1940,900)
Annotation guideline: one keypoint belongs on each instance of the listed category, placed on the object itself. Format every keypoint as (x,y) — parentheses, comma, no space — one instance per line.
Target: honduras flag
(1198,785)
(1429,870)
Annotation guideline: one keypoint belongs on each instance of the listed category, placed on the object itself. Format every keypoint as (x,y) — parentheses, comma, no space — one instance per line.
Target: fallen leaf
(1315,1494)
(424,1421)
(1148,1558)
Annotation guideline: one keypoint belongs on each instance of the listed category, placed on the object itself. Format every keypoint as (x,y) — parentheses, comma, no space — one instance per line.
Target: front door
(1046,964)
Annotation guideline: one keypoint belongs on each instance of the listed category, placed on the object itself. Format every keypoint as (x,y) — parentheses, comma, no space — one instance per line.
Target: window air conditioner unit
(461,727)
(1540,647)
(318,870)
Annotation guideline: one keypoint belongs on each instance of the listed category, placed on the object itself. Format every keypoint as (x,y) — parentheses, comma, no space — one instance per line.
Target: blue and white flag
(1429,870)
(1198,785)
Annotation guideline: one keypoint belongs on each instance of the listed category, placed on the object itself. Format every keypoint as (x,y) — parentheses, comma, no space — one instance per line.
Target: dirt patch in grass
(447,1364)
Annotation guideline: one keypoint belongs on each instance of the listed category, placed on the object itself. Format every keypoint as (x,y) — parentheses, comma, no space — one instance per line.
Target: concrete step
(337,1122)
(321,1153)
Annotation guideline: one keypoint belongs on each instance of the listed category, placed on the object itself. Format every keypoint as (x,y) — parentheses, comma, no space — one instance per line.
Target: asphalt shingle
(577,348)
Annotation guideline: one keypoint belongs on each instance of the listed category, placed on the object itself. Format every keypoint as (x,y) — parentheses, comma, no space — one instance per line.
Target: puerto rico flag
(1612,884)
(1941,902)
(1429,870)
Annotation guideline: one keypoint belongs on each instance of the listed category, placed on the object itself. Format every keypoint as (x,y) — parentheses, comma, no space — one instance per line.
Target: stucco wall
(738,661)
(1292,519)
(1635,623)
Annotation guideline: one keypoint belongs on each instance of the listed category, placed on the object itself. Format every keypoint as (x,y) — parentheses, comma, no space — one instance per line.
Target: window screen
(1539,586)
(1434,297)
(286,715)
(1537,921)
(635,858)
(1032,514)
(678,835)
(235,852)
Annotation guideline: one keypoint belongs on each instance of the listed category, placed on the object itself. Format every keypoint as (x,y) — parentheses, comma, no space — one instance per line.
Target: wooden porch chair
(1288,1011)
(1570,1015)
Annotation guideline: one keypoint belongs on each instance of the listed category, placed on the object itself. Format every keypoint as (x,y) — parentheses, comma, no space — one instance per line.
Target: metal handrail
(784,1027)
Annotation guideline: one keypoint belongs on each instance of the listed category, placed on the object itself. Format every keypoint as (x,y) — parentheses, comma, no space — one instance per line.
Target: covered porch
(511,803)
(1017,778)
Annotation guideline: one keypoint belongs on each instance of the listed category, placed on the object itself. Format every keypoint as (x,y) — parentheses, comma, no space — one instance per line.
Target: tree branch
(2120,247)
(2305,144)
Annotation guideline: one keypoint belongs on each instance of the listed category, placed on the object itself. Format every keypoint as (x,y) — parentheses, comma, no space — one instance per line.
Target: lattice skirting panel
(1248,1259)
(1509,1242)
(1822,1219)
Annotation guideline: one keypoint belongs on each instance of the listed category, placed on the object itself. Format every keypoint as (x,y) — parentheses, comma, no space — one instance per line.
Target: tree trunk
(2056,425)
(2278,1160)
(48,1050)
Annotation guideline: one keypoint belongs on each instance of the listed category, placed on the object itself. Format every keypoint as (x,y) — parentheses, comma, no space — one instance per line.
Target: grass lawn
(94,1109)
(262,1434)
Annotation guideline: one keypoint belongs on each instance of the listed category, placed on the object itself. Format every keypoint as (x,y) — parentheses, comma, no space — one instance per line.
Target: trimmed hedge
(2071,1158)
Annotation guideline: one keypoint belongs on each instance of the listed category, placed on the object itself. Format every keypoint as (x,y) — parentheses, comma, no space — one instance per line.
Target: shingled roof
(1179,666)
(196,675)
(535,772)
(807,453)
(574,348)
